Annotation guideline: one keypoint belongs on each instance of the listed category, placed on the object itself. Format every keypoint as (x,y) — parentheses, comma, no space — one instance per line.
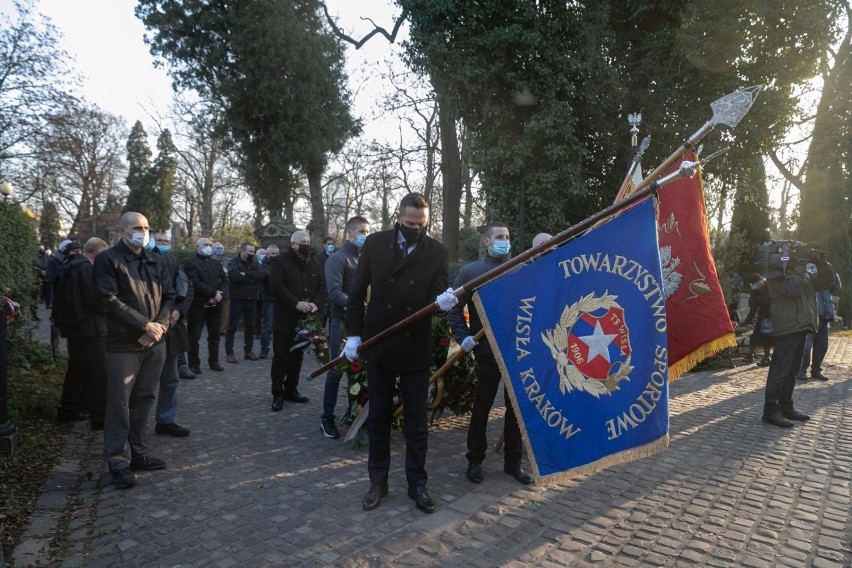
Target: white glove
(447,300)
(350,350)
(468,343)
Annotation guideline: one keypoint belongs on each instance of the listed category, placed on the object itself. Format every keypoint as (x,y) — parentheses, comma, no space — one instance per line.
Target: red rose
(356,366)
(444,341)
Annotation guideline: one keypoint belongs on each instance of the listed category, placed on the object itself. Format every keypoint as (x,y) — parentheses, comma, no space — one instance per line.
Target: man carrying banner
(497,250)
(405,271)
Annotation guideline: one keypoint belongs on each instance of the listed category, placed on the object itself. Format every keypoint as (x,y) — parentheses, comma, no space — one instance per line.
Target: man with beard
(405,271)
(297,284)
(497,250)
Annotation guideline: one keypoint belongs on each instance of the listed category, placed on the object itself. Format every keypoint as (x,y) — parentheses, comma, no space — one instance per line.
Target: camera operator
(793,308)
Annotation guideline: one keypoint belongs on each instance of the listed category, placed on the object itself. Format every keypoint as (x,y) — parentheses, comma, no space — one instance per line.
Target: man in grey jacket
(792,306)
(339,270)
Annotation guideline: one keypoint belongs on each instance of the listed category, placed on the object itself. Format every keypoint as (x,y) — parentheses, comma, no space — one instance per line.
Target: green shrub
(35,379)
(17,255)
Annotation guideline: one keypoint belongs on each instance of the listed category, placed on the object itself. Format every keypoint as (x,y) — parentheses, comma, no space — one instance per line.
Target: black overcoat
(293,281)
(399,286)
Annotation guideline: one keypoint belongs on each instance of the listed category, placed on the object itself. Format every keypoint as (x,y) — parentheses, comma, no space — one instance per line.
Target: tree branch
(391,37)
(788,175)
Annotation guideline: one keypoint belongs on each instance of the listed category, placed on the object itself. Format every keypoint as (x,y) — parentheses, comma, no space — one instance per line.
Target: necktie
(404,248)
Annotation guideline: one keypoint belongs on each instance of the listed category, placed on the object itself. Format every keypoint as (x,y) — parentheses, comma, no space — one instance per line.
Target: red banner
(697,318)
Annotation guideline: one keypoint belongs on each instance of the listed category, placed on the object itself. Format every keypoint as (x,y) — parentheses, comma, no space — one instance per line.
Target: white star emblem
(598,343)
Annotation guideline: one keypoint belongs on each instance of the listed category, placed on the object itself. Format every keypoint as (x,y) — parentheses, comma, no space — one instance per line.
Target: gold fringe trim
(626,456)
(678,368)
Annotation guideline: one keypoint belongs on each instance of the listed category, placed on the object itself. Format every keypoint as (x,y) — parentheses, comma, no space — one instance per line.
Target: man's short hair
(488,230)
(416,200)
(270,247)
(330,239)
(94,245)
(541,238)
(245,246)
(355,222)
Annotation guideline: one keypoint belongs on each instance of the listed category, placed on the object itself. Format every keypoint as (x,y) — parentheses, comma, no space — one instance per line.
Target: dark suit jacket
(399,286)
(293,282)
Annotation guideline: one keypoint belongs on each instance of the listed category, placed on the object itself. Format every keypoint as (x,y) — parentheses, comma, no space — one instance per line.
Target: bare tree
(80,156)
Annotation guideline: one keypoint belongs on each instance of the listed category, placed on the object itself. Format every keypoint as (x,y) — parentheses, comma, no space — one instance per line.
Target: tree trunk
(206,213)
(320,228)
(451,173)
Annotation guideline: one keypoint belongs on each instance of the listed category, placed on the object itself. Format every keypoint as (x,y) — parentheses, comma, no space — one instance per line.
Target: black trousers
(197,319)
(488,374)
(415,389)
(244,309)
(286,365)
(84,387)
(781,379)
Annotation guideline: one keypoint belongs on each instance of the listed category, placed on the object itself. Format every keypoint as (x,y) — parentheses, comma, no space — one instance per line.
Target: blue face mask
(164,248)
(329,248)
(150,244)
(261,258)
(218,250)
(501,248)
(813,270)
(360,240)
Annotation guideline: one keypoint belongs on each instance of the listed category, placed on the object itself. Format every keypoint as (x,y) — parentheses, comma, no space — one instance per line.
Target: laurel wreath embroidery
(556,339)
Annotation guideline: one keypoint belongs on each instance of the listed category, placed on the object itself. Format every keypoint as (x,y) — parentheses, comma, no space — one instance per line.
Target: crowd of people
(133,316)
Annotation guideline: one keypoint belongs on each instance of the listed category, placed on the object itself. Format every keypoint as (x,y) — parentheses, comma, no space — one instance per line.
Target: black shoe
(123,478)
(793,414)
(801,376)
(172,429)
(777,419)
(421,499)
(277,403)
(819,376)
(185,372)
(264,354)
(474,472)
(329,430)
(295,396)
(68,417)
(216,366)
(147,463)
(374,496)
(196,369)
(518,473)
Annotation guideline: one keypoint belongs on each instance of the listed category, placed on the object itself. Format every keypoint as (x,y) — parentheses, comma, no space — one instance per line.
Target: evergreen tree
(48,227)
(139,182)
(163,173)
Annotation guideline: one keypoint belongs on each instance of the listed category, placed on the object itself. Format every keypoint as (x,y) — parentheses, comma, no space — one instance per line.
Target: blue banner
(580,336)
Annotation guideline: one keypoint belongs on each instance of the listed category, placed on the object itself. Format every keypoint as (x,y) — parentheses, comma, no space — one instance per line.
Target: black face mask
(306,252)
(411,235)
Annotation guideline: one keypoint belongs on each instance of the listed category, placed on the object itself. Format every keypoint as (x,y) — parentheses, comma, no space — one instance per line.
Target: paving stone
(256,488)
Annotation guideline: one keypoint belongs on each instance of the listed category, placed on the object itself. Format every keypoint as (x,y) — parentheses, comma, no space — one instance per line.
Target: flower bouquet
(310,334)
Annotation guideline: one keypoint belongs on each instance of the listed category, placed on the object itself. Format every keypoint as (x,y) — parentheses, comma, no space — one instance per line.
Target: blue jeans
(332,378)
(818,342)
(266,327)
(167,398)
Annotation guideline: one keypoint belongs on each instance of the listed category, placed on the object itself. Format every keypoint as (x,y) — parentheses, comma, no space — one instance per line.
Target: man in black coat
(84,388)
(405,271)
(297,283)
(245,279)
(210,287)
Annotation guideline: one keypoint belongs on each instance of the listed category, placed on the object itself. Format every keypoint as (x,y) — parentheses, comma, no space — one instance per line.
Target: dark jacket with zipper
(339,271)
(245,279)
(94,325)
(207,276)
(177,340)
(134,289)
(455,318)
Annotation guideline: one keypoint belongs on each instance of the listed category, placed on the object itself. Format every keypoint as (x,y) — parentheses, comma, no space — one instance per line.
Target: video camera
(773,257)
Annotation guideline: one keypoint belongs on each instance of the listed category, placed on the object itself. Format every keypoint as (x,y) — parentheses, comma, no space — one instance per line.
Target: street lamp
(8,431)
(525,100)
